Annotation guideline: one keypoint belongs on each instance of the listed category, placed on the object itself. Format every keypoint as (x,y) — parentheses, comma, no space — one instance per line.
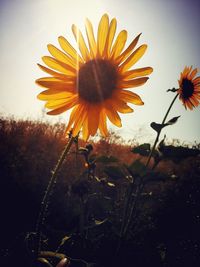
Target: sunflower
(189,88)
(93,82)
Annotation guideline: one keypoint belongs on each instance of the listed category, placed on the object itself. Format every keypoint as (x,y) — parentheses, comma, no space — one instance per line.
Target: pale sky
(169,28)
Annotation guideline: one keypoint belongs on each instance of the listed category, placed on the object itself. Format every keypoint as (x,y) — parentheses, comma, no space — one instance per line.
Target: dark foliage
(85,208)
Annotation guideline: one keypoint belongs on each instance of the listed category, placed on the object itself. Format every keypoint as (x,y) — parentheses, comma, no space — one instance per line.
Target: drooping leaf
(157,126)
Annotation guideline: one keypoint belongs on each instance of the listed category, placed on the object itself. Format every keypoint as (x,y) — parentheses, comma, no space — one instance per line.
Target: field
(94,216)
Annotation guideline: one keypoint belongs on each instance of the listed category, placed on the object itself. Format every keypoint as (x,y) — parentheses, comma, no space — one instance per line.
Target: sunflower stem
(140,186)
(159,132)
(47,195)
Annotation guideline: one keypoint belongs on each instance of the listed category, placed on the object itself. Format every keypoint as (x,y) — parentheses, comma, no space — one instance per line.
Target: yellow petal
(51,82)
(85,132)
(121,106)
(133,58)
(91,38)
(53,73)
(80,119)
(72,117)
(129,97)
(55,52)
(110,37)
(81,43)
(68,48)
(119,44)
(59,110)
(93,118)
(102,123)
(52,94)
(57,103)
(112,113)
(129,50)
(59,66)
(132,83)
(102,33)
(137,73)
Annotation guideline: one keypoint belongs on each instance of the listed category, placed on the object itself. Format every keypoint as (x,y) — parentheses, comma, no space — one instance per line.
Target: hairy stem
(48,192)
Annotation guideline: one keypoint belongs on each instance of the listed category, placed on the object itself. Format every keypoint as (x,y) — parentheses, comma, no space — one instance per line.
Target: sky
(169,28)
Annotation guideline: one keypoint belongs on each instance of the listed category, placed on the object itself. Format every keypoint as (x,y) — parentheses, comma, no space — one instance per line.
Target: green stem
(159,132)
(48,192)
(141,184)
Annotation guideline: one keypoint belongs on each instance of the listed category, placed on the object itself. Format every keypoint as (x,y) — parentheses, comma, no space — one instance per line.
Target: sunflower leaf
(173,120)
(143,149)
(173,90)
(158,126)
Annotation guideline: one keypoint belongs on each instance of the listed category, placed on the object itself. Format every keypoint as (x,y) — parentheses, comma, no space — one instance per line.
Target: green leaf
(158,126)
(173,120)
(137,168)
(173,90)
(143,149)
(114,172)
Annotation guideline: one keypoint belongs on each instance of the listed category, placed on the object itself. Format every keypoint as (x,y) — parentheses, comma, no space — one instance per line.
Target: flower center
(96,80)
(187,88)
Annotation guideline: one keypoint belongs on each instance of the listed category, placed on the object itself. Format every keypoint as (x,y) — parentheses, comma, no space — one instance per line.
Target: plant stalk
(140,185)
(48,192)
(159,132)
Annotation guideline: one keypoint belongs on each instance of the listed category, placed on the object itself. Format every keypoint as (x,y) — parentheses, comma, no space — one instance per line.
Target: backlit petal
(129,50)
(53,73)
(58,54)
(102,123)
(81,43)
(119,44)
(51,82)
(102,34)
(137,73)
(129,96)
(132,83)
(133,58)
(52,94)
(112,114)
(91,38)
(110,37)
(93,118)
(59,66)
(121,106)
(57,103)
(66,46)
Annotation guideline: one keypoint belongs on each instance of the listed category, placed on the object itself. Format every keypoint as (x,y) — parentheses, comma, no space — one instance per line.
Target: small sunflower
(93,82)
(189,88)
